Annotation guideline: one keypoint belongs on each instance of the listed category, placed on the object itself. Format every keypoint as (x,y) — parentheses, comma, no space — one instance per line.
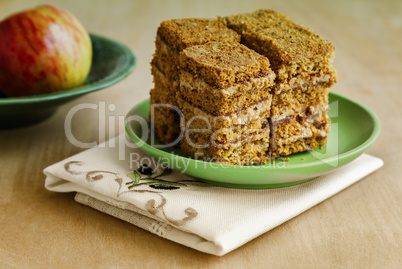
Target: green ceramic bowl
(354,129)
(111,62)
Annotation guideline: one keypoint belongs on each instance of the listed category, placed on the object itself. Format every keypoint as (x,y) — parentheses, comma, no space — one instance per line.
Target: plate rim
(85,88)
(361,148)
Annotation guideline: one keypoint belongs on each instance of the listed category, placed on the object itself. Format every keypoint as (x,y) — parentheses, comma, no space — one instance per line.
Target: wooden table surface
(359,227)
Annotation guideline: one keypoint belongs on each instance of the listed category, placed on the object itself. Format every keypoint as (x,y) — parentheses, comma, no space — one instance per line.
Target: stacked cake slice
(225,97)
(172,37)
(301,60)
(246,88)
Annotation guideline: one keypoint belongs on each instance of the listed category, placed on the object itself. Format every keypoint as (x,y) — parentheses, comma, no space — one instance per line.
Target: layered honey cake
(301,60)
(225,98)
(172,37)
(248,87)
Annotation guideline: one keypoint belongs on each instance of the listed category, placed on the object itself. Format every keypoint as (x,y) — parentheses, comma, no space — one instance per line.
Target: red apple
(43,50)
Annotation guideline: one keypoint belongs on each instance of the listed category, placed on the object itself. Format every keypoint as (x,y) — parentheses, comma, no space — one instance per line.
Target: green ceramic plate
(354,129)
(111,62)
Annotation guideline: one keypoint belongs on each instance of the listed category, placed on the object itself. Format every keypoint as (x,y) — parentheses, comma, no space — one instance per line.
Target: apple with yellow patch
(43,50)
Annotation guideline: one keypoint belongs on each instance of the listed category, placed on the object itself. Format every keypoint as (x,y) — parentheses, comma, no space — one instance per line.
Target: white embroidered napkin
(208,218)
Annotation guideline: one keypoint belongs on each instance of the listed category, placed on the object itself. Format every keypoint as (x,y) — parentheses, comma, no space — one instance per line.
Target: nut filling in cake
(241,89)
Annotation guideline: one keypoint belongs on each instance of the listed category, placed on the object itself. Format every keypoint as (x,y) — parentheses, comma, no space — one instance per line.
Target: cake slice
(301,60)
(172,37)
(225,98)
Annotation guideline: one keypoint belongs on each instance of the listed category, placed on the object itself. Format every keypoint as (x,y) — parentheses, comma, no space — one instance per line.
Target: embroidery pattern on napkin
(139,178)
